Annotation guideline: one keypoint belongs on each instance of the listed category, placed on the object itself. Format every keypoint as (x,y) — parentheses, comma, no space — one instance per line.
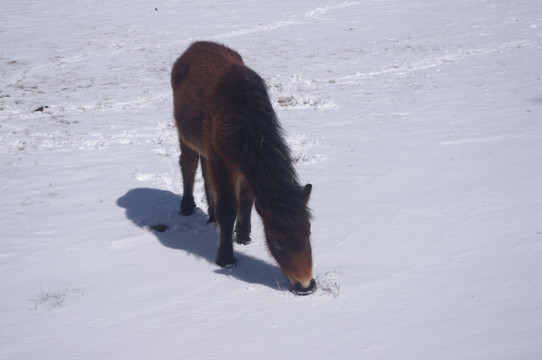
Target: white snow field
(419,124)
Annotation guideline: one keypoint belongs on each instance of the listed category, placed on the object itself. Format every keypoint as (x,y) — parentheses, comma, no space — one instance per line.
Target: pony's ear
(307,189)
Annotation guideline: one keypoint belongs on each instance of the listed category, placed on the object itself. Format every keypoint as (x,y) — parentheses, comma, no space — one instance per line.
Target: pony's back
(192,78)
(204,60)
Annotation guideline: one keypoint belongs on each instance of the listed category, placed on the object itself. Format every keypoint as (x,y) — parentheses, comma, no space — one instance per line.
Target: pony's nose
(301,290)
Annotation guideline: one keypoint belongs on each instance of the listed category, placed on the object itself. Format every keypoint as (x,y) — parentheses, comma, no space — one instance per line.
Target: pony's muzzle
(305,290)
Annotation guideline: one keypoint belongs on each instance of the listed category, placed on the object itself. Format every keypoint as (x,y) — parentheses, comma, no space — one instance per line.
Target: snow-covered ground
(418,123)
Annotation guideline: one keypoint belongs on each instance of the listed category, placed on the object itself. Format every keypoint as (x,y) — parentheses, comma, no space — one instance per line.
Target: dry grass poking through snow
(54,299)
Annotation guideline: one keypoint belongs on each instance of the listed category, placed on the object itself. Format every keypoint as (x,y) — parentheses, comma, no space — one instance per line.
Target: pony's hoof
(186,212)
(227,263)
(187,207)
(243,241)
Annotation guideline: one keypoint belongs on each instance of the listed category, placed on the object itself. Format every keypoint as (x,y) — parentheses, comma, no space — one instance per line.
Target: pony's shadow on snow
(158,211)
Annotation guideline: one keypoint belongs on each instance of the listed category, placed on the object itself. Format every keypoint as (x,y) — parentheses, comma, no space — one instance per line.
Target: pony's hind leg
(189,164)
(208,195)
(242,227)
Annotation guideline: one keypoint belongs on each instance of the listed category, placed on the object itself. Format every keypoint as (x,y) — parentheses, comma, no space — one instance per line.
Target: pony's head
(287,231)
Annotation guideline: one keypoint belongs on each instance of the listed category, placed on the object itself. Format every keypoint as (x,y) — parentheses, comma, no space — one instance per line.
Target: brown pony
(224,117)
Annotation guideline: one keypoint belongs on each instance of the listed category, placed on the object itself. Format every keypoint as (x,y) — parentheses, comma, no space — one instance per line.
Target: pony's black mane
(267,161)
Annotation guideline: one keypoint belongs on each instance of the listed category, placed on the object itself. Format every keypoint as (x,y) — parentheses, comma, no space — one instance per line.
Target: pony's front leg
(225,256)
(225,211)
(242,227)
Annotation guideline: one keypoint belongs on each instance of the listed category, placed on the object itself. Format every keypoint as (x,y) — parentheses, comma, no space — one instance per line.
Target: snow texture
(418,123)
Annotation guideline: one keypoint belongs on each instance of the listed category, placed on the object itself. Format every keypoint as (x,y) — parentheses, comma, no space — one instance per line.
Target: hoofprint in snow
(417,124)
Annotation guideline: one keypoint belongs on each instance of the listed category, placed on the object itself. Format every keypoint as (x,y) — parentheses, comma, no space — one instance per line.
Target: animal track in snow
(316,14)
(409,67)
(312,15)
